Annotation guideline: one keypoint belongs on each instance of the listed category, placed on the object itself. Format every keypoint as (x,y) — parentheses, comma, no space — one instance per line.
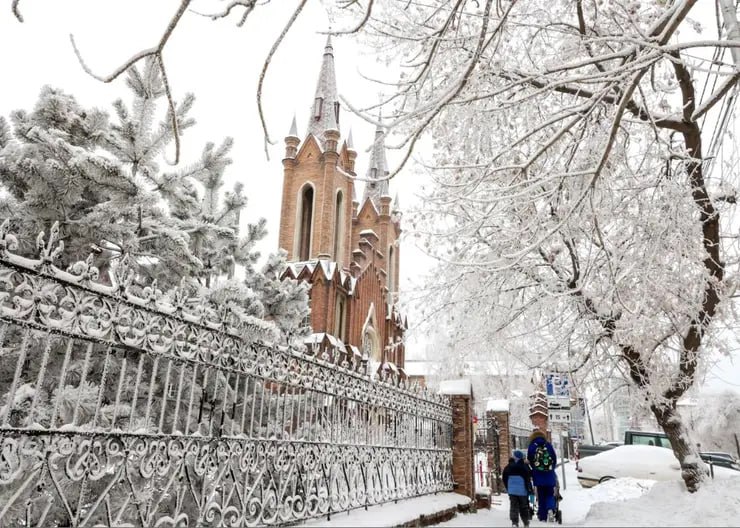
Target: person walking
(517,479)
(542,458)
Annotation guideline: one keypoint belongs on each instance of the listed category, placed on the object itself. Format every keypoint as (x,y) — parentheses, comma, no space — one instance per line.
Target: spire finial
(293,128)
(328,48)
(350,142)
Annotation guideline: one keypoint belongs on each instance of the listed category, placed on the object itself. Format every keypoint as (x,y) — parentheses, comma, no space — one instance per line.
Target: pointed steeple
(350,142)
(293,128)
(396,204)
(325,109)
(292,141)
(376,186)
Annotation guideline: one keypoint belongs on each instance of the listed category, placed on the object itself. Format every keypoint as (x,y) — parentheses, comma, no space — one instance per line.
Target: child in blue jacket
(518,482)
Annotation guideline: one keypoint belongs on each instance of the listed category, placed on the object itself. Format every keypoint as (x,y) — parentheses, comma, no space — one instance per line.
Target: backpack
(542,459)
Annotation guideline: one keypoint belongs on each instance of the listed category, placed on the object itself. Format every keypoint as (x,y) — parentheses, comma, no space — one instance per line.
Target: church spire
(376,184)
(325,110)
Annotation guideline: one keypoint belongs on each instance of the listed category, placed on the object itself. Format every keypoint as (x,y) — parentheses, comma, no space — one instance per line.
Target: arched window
(318,107)
(340,318)
(305,223)
(391,270)
(338,226)
(336,112)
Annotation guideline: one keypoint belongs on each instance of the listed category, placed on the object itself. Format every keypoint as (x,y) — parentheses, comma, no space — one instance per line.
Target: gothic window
(336,112)
(338,226)
(318,106)
(391,270)
(305,222)
(340,318)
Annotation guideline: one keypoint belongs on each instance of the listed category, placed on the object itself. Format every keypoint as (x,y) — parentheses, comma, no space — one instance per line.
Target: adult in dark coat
(517,479)
(543,472)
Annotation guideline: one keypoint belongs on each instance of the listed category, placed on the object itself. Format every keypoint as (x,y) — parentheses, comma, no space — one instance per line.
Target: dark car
(721,460)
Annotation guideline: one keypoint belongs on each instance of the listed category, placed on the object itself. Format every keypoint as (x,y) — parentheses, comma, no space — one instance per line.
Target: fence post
(463,467)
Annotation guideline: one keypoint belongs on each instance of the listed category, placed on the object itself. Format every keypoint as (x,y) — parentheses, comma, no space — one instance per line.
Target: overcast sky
(217,61)
(220,63)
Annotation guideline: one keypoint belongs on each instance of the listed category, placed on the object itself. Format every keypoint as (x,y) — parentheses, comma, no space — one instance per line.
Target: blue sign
(557,385)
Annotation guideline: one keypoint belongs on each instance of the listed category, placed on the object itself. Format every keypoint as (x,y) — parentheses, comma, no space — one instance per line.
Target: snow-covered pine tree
(285,302)
(102,181)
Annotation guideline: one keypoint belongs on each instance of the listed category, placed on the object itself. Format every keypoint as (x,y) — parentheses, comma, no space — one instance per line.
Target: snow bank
(497,405)
(578,501)
(393,514)
(456,387)
(717,503)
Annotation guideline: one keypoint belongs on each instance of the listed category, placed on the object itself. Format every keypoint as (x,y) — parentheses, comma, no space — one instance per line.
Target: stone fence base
(439,517)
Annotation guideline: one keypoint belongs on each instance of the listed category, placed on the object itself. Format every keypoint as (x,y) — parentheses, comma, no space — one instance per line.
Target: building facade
(347,249)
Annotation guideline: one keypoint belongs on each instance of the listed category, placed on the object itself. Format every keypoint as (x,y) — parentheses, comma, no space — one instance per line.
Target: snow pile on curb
(717,503)
(578,501)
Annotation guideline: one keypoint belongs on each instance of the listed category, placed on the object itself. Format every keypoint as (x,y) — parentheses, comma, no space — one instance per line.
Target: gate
(487,448)
(125,406)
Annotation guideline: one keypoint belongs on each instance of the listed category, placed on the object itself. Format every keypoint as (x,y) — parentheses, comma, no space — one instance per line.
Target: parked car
(636,461)
(724,460)
(721,454)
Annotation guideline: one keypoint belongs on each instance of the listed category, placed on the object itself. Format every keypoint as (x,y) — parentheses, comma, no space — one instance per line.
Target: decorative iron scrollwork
(123,406)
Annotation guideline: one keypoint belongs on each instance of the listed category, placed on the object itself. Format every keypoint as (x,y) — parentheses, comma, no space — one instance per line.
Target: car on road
(636,461)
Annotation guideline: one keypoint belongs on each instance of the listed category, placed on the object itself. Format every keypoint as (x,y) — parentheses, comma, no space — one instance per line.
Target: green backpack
(542,459)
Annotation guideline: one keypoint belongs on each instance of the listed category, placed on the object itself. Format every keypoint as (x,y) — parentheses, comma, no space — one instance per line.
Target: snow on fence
(125,406)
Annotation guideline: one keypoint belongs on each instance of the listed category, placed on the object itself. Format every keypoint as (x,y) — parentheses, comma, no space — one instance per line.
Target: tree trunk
(671,422)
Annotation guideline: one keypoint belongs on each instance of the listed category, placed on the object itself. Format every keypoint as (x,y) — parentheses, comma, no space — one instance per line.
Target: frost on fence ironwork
(128,406)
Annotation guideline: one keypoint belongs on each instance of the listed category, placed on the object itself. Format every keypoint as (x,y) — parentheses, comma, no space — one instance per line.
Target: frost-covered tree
(284,301)
(715,420)
(104,182)
(572,177)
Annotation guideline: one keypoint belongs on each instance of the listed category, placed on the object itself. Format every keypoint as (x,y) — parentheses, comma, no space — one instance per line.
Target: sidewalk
(405,512)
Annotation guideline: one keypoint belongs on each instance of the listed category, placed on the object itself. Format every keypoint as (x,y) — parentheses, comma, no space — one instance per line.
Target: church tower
(347,250)
(318,179)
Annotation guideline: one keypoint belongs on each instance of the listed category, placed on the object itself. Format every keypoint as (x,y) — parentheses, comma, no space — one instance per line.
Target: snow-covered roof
(369,232)
(329,269)
(497,405)
(319,337)
(390,365)
(456,387)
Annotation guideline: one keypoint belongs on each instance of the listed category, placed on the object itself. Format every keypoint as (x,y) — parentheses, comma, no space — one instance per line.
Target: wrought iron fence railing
(129,407)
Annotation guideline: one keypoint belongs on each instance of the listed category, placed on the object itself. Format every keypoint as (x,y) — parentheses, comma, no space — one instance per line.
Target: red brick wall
(462,445)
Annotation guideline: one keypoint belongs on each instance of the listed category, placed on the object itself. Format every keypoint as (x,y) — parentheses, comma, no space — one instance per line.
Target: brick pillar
(504,436)
(462,445)
(540,421)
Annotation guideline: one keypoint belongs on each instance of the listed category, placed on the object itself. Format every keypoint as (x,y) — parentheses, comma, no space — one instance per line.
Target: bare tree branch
(266,65)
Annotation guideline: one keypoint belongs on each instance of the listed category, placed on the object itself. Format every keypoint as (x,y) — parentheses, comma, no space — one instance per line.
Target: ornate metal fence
(129,407)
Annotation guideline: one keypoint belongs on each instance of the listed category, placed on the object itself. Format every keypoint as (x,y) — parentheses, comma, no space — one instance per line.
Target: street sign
(559,416)
(555,402)
(557,385)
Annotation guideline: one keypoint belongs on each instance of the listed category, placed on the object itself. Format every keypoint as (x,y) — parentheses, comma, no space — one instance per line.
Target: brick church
(346,248)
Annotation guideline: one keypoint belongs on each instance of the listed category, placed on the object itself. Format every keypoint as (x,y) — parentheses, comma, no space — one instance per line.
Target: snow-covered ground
(392,514)
(629,502)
